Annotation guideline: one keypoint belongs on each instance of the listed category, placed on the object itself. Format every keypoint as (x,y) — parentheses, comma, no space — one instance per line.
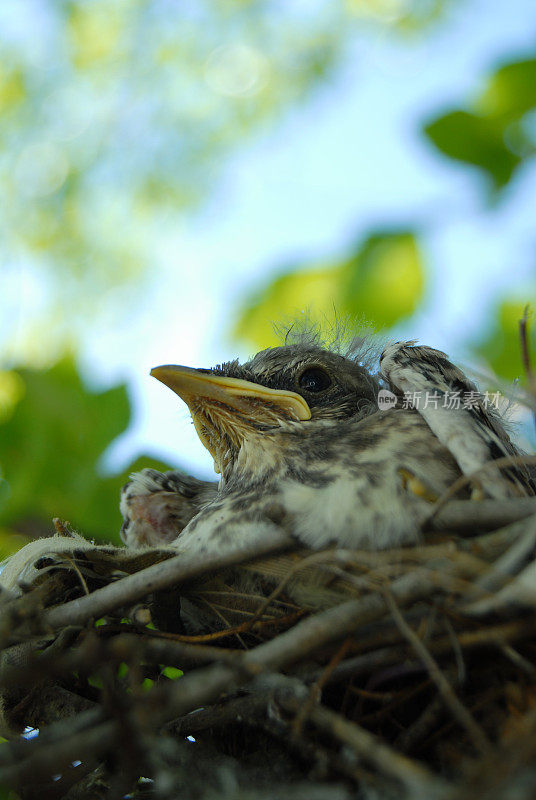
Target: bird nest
(333,674)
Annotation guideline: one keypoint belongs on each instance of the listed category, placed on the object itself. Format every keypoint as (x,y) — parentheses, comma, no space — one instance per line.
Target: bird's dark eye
(314,379)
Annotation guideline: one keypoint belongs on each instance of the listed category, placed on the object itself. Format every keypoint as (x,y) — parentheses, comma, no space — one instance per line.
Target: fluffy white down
(328,514)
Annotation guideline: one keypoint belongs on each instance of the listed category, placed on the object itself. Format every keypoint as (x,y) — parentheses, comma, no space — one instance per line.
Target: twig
(96,650)
(43,760)
(205,685)
(421,726)
(458,652)
(327,626)
(305,563)
(214,609)
(417,779)
(62,527)
(521,590)
(517,659)
(359,665)
(244,709)
(315,690)
(452,702)
(463,480)
(175,570)
(525,356)
(525,350)
(321,756)
(509,562)
(76,568)
(471,515)
(380,657)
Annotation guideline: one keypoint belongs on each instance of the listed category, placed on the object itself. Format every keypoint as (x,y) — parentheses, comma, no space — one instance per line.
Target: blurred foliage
(382,282)
(501,348)
(498,136)
(498,132)
(117,117)
(379,282)
(53,433)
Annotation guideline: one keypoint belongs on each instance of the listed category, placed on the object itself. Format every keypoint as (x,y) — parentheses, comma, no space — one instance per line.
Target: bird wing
(460,416)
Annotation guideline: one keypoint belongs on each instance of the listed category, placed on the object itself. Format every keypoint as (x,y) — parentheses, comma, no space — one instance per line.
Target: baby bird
(300,442)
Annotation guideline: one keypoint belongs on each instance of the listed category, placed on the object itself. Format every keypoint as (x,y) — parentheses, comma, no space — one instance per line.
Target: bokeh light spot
(236,70)
(41,169)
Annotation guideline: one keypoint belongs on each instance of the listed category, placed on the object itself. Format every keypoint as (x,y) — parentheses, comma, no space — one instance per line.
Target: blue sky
(310,185)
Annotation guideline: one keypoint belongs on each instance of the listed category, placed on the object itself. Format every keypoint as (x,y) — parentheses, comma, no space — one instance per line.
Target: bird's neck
(257,459)
(268,456)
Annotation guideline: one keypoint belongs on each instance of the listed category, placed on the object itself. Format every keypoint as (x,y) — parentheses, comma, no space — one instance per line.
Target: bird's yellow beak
(201,390)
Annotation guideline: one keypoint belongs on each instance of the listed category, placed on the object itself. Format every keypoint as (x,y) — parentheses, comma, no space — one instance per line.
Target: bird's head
(235,404)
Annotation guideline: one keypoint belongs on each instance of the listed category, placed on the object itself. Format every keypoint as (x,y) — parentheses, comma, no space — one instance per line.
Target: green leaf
(315,291)
(95,681)
(380,283)
(122,670)
(383,281)
(50,446)
(502,347)
(474,140)
(511,91)
(10,542)
(8,794)
(491,134)
(172,673)
(12,89)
